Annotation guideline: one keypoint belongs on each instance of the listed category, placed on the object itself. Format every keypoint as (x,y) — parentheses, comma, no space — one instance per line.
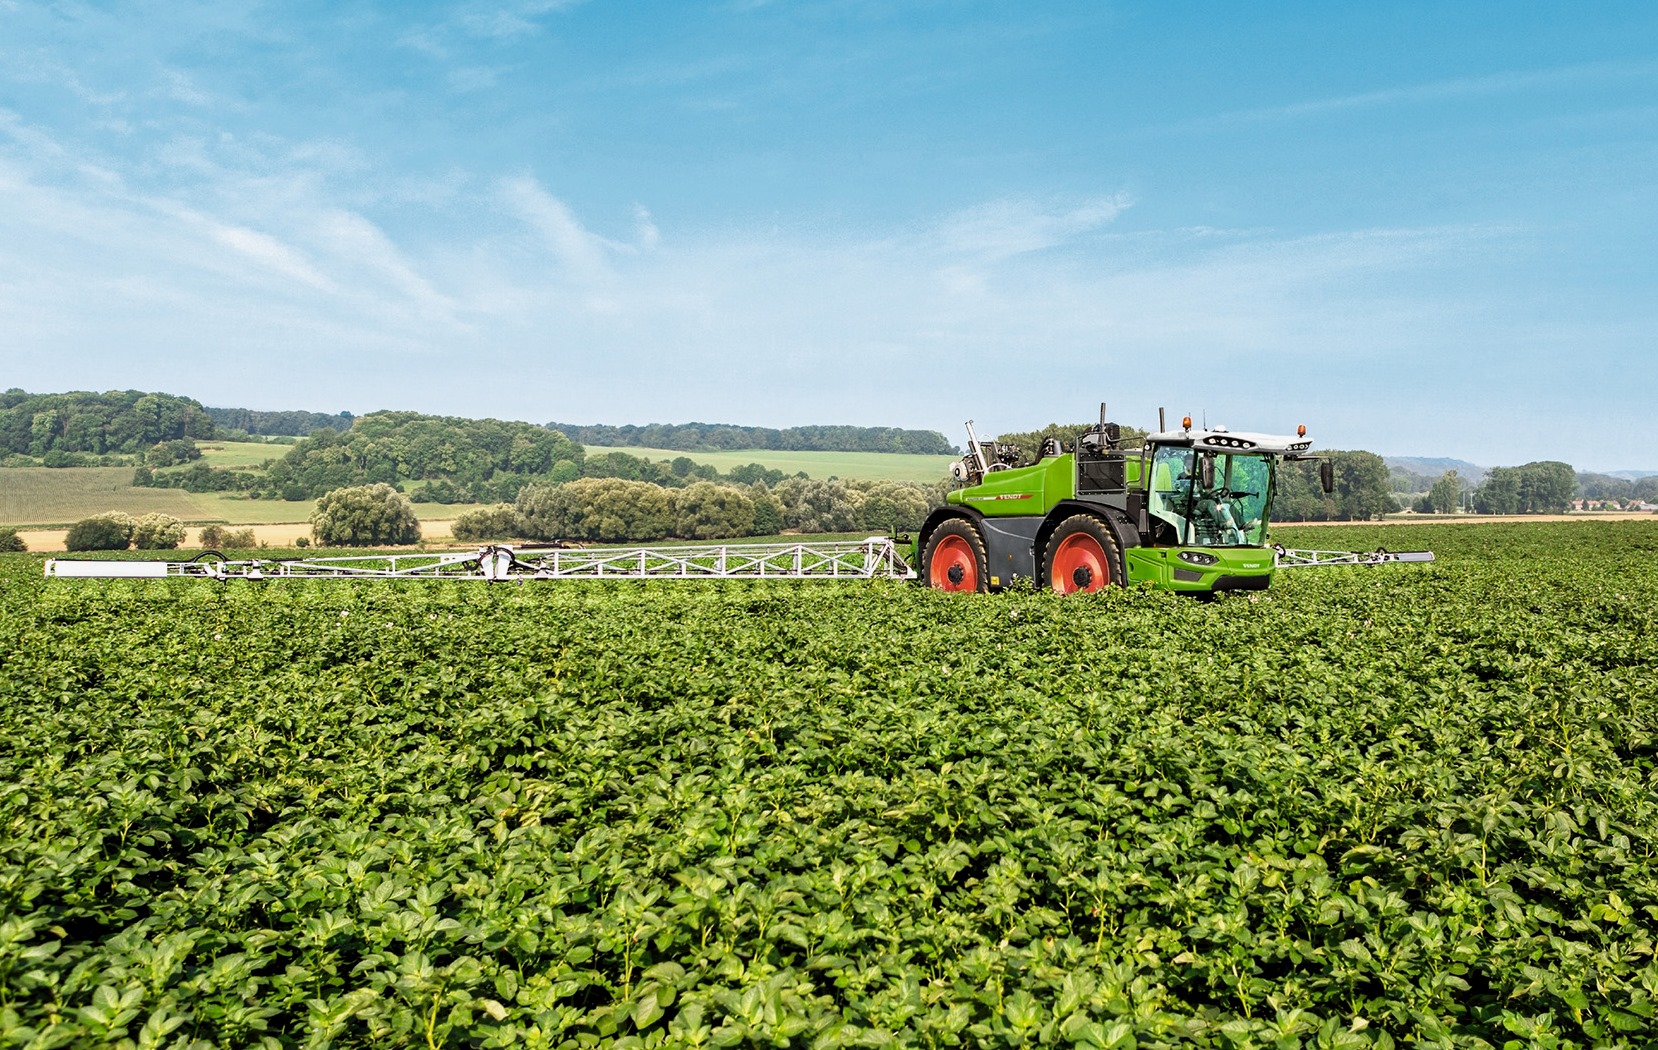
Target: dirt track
(50,540)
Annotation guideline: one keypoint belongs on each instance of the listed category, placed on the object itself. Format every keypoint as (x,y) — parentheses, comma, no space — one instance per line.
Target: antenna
(1102,417)
(1162,424)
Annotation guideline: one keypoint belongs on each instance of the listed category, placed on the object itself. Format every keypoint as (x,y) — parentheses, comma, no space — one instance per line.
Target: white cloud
(645,230)
(1503,83)
(180,87)
(362,246)
(579,253)
(270,253)
(1003,228)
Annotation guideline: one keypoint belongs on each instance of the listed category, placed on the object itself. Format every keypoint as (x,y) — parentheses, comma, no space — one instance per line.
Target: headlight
(1197,557)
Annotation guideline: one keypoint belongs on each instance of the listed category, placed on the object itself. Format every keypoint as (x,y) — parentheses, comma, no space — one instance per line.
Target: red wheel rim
(1079,565)
(953,567)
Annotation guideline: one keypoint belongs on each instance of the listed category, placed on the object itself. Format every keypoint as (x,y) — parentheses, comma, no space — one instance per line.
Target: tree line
(613,510)
(63,429)
(712,437)
(283,424)
(442,459)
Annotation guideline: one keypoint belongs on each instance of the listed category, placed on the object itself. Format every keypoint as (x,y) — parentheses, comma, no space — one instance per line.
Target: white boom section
(1285,558)
(875,558)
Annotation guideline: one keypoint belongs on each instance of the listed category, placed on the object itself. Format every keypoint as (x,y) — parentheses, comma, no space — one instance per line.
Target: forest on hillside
(707,437)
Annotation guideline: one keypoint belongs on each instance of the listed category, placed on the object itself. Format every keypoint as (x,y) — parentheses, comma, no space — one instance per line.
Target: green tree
(768,513)
(1361,486)
(1546,487)
(604,509)
(499,522)
(811,505)
(1500,492)
(157,532)
(217,537)
(364,516)
(897,505)
(110,531)
(705,511)
(1444,495)
(10,541)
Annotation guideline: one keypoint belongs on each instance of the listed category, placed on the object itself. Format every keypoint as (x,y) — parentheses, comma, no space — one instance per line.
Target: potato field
(1390,806)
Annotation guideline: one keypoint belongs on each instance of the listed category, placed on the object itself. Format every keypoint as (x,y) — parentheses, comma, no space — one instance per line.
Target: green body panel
(1036,489)
(1157,565)
(1021,491)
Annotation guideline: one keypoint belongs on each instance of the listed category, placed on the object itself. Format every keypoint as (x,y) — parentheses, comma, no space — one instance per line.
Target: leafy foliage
(1371,807)
(708,511)
(294,423)
(487,458)
(10,541)
(1361,489)
(364,516)
(609,510)
(693,437)
(170,453)
(110,531)
(1535,488)
(120,421)
(500,522)
(217,537)
(157,532)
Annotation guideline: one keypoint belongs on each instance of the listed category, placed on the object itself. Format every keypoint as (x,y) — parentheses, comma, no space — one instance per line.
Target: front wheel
(955,558)
(1082,555)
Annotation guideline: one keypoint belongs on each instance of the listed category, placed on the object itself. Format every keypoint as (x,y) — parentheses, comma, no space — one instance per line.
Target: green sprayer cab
(1187,510)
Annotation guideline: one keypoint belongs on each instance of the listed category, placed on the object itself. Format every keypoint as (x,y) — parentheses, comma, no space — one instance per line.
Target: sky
(1422,229)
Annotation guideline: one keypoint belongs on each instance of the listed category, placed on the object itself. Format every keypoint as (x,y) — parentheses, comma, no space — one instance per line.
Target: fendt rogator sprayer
(1185,511)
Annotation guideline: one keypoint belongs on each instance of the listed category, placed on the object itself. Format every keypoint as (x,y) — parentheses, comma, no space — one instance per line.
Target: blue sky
(1421,229)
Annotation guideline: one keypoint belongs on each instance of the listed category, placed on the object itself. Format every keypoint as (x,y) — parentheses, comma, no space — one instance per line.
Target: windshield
(1225,508)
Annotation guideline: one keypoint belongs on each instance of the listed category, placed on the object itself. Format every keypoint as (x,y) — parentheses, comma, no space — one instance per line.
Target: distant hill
(1434,466)
(717,437)
(1632,475)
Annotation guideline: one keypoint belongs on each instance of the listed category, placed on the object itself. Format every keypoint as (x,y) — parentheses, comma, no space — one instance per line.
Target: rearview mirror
(1206,470)
(1327,476)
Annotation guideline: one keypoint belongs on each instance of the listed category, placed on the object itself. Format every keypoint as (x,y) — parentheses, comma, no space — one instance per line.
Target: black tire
(955,558)
(1082,554)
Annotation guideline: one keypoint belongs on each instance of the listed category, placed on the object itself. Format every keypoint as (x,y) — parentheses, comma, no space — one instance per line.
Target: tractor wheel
(1082,555)
(955,559)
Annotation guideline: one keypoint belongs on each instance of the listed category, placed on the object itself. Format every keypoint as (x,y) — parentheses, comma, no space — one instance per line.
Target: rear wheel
(1082,555)
(955,558)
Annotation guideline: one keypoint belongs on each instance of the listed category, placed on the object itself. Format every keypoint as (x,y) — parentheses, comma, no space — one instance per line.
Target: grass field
(234,454)
(1372,807)
(867,466)
(42,495)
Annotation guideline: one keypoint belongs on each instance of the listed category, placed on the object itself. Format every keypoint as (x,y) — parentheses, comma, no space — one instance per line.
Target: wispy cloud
(270,253)
(579,253)
(1013,226)
(1489,85)
(181,87)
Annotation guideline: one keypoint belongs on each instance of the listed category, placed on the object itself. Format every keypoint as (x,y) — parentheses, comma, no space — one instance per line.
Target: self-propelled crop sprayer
(1185,511)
